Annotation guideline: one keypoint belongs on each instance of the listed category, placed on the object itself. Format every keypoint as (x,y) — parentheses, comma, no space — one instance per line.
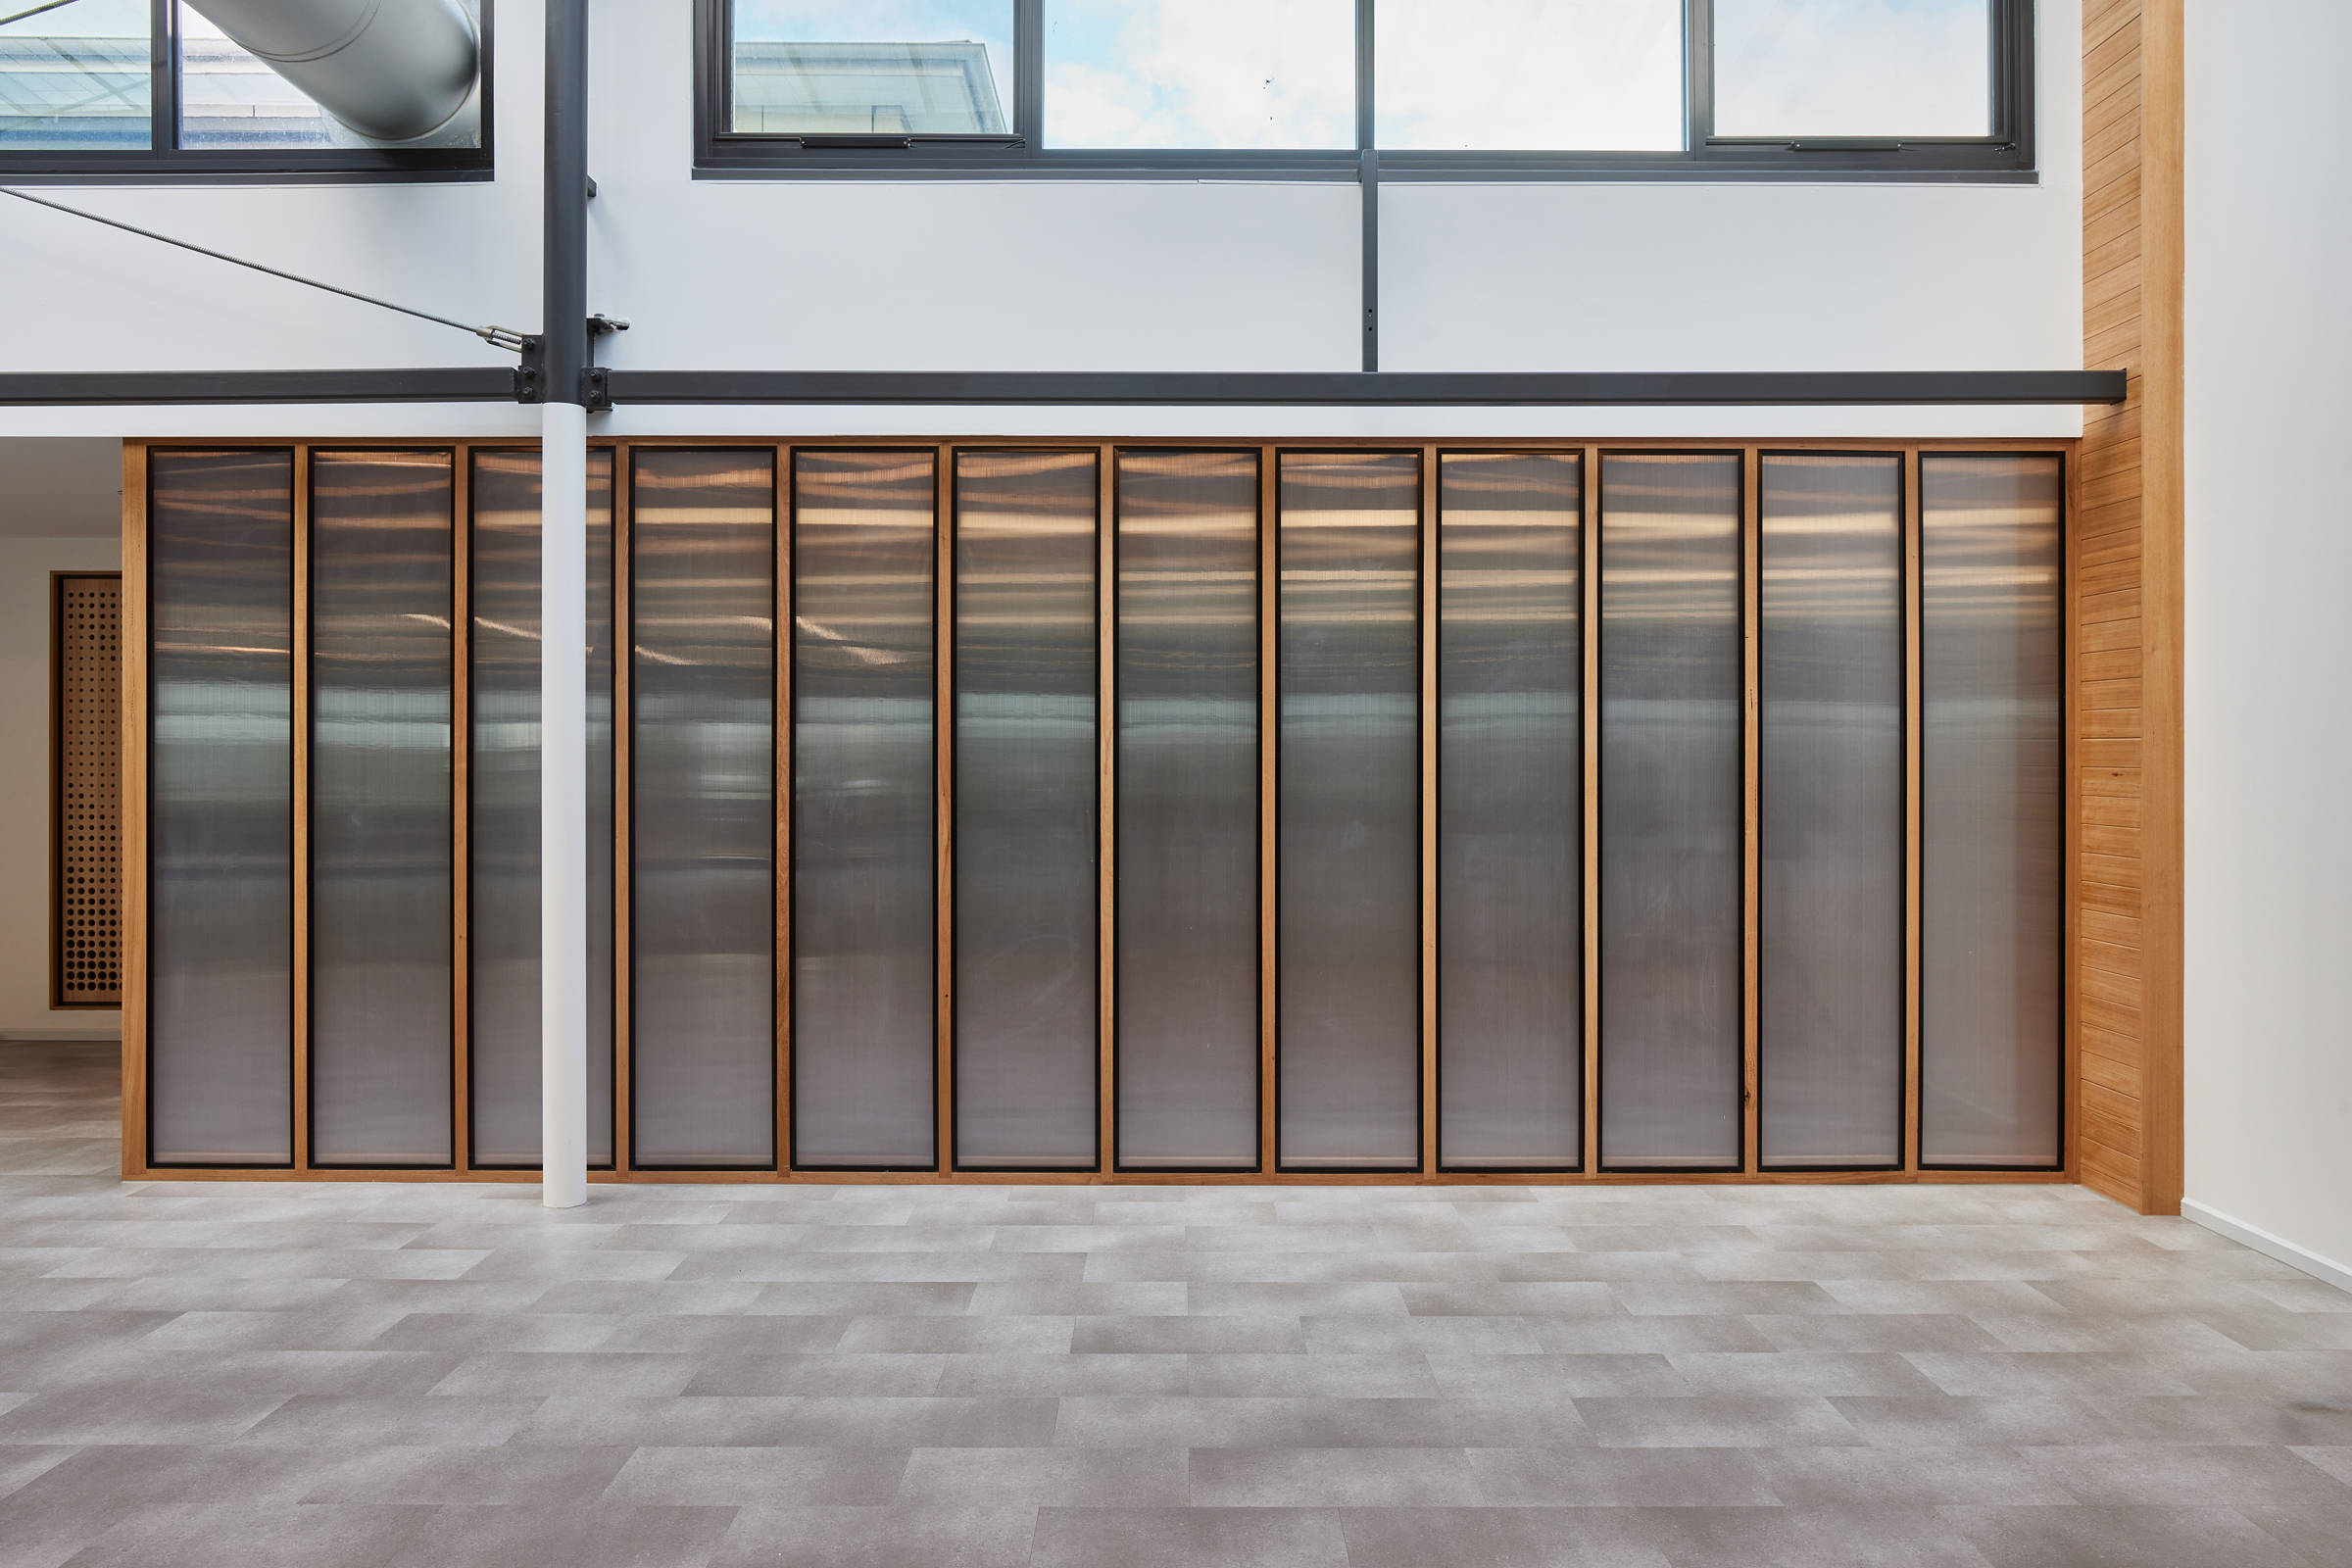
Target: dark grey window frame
(163,159)
(2007,157)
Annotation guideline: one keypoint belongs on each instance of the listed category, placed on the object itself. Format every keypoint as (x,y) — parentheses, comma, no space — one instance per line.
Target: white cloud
(1852,68)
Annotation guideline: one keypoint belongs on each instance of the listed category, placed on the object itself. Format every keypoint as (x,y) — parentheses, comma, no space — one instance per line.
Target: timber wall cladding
(2127,612)
(85,884)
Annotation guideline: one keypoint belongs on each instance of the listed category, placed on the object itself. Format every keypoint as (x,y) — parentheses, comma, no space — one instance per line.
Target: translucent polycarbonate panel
(1187,868)
(1670,810)
(1853,67)
(1529,76)
(864,1031)
(76,77)
(1993,791)
(702,809)
(1349,811)
(925,67)
(220,809)
(1831,922)
(381,803)
(1510,883)
(1185,73)
(504,928)
(1026,1070)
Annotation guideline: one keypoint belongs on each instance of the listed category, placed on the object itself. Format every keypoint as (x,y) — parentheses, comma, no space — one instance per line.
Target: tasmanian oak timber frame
(136,618)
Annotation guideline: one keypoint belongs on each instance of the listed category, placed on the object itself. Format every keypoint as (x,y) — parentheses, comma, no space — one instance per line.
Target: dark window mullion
(1029,74)
(162,89)
(1364,45)
(1698,76)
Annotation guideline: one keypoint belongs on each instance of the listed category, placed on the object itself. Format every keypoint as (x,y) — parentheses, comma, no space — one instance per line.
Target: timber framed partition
(1419,484)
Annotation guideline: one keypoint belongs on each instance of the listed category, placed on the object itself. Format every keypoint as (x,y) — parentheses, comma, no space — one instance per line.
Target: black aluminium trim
(488,383)
(1601,388)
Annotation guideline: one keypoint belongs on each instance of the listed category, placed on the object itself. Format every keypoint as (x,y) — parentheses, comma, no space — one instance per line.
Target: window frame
(2005,157)
(164,156)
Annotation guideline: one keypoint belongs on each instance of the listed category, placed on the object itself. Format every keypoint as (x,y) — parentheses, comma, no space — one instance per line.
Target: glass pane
(504,940)
(1853,67)
(1669,812)
(230,99)
(1186,870)
(1831,927)
(1586,76)
(1993,788)
(1183,74)
(381,840)
(1349,771)
(864,1028)
(220,809)
(76,77)
(1026,1071)
(931,67)
(702,812)
(1510,883)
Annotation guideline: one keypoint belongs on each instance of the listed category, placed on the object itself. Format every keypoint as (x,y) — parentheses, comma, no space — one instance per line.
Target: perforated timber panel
(86,881)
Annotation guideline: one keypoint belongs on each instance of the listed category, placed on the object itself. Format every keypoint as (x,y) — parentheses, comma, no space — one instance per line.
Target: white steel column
(564,804)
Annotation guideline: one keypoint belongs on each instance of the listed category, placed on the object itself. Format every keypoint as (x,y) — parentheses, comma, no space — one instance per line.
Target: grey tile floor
(437,1376)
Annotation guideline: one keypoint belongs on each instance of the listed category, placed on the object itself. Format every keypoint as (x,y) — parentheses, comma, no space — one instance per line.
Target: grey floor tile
(443,1474)
(595,1535)
(1799,1372)
(1187,1538)
(927,1334)
(1560,1376)
(2119,1537)
(311,1420)
(1104,1373)
(1170,1336)
(2321,1535)
(815,1372)
(1060,1478)
(1621,1477)
(1716,1421)
(1331,1478)
(133,1415)
(1913,1476)
(991,1535)
(1498,1538)
(778,1476)
(598,1421)
(1814,1537)
(229,1533)
(2235,1474)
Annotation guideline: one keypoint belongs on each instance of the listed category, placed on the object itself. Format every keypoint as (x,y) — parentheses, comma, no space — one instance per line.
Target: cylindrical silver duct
(392,71)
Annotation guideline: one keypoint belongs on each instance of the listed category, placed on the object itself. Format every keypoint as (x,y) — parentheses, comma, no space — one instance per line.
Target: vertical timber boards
(135,653)
(2126,596)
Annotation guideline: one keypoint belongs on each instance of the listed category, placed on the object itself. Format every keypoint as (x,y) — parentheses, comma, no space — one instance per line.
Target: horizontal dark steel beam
(452,384)
(1410,388)
(1340,389)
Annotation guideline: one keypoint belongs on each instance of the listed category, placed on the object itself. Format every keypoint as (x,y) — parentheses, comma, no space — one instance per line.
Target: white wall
(2268,647)
(1242,275)
(60,511)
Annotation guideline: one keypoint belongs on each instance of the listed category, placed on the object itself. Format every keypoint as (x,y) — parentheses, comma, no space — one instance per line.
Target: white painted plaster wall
(2268,648)
(60,511)
(1240,275)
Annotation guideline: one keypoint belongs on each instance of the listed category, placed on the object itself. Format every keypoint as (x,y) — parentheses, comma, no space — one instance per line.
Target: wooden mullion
(461,807)
(135,637)
(1269,735)
(1106,807)
(1587,557)
(1431,521)
(302,809)
(1751,766)
(781,815)
(1914,741)
(624,657)
(943,581)
(2069,835)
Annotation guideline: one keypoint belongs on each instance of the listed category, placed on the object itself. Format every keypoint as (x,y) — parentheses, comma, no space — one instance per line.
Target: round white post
(564,804)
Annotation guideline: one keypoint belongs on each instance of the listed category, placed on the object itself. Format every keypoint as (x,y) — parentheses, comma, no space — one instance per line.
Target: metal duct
(391,71)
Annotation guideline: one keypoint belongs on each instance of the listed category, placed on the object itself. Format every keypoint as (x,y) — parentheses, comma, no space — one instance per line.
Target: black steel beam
(451,385)
(563,281)
(1407,388)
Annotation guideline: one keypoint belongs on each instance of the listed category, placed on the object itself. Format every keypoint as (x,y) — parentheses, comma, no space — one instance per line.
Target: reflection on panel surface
(1186,870)
(1992,839)
(703,809)
(1830,926)
(1025,771)
(220,808)
(1670,810)
(1349,944)
(864,1031)
(503,929)
(380,844)
(1510,894)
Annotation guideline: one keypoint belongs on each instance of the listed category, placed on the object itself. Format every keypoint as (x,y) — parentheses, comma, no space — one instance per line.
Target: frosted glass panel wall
(1669,812)
(1993,840)
(504,928)
(703,809)
(1350,938)
(381,987)
(1831,928)
(1188,804)
(220,809)
(1510,888)
(865,1034)
(1026,1069)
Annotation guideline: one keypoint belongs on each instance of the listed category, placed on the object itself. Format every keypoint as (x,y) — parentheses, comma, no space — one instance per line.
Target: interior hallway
(1381,1377)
